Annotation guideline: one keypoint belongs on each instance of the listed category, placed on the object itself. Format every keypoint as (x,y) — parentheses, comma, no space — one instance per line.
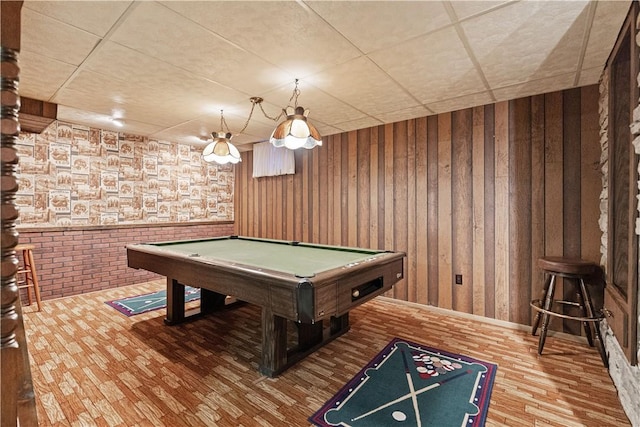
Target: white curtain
(270,161)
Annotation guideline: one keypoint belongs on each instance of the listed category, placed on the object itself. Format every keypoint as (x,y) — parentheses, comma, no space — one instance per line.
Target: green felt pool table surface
(301,260)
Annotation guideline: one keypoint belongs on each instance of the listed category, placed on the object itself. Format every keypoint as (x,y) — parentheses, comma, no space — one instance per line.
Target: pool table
(312,285)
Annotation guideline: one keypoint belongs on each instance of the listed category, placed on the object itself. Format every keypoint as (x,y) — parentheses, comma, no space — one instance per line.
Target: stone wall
(625,377)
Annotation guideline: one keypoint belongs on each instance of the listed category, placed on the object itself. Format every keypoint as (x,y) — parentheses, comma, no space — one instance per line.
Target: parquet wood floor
(94,366)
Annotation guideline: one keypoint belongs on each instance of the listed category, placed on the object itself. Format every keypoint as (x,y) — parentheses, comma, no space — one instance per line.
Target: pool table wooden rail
(282,293)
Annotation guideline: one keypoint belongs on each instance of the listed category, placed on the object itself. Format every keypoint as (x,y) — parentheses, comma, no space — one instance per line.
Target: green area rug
(131,306)
(409,384)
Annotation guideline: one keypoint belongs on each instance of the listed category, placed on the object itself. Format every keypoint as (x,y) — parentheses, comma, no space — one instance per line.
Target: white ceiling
(167,68)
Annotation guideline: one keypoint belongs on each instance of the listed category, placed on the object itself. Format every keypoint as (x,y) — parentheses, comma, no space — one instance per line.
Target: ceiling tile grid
(168,68)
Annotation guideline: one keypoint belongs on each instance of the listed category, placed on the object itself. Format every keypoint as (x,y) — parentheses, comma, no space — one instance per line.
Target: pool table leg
(274,343)
(275,357)
(175,302)
(209,301)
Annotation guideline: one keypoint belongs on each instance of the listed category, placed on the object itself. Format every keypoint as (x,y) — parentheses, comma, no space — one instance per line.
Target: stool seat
(29,271)
(570,266)
(24,247)
(576,270)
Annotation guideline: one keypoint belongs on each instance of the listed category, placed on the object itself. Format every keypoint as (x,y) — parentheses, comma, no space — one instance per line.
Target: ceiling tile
(590,76)
(284,33)
(321,106)
(363,123)
(502,40)
(40,76)
(405,114)
(608,14)
(169,107)
(95,17)
(54,39)
(375,94)
(547,85)
(195,49)
(101,121)
(403,20)
(466,9)
(432,67)
(462,102)
(150,75)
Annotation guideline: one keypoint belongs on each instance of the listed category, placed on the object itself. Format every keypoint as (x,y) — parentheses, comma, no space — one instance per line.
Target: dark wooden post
(18,401)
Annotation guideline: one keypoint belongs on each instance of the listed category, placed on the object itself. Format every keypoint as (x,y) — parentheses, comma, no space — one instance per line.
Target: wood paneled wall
(481,192)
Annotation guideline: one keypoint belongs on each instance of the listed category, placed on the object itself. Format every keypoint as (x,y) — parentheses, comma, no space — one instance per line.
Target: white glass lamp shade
(296,131)
(221,150)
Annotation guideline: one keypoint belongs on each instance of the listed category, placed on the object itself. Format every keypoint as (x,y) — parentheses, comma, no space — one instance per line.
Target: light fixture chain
(294,95)
(275,119)
(223,122)
(246,124)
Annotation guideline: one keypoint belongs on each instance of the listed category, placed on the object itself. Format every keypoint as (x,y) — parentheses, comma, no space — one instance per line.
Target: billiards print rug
(409,384)
(138,304)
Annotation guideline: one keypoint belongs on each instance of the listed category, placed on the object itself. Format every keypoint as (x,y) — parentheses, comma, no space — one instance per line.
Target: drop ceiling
(168,68)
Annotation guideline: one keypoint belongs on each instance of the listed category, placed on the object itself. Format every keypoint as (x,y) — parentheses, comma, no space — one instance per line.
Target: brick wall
(77,261)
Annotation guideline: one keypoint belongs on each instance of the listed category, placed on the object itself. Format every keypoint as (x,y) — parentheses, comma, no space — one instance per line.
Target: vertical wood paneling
(262,211)
(571,167)
(462,208)
(400,186)
(337,195)
(373,189)
(330,186)
(444,211)
(421,231)
(478,201)
(571,162)
(298,202)
(352,191)
(389,180)
(279,204)
(315,200)
(537,195)
(305,211)
(257,207)
(363,193)
(553,200)
(489,211)
(502,211)
(481,192)
(381,186)
(412,292)
(323,190)
(432,210)
(520,208)
(290,208)
(344,190)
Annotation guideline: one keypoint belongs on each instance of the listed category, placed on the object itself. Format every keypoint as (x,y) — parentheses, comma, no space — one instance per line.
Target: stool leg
(585,313)
(34,280)
(596,326)
(536,321)
(548,301)
(27,274)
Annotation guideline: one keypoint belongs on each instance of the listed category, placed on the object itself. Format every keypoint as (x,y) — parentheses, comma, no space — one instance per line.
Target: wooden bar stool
(577,270)
(30,276)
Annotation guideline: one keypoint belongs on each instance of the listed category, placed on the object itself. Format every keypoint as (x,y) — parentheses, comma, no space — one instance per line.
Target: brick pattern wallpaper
(73,175)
